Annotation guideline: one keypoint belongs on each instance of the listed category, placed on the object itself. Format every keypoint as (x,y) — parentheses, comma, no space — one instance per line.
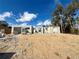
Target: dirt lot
(46,46)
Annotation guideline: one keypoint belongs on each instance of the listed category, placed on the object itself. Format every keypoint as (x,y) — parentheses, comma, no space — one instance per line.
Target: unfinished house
(47,29)
(22,30)
(16,30)
(39,29)
(27,30)
(4,28)
(53,29)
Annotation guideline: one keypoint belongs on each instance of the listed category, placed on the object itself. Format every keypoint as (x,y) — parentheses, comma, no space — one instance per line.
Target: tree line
(66,17)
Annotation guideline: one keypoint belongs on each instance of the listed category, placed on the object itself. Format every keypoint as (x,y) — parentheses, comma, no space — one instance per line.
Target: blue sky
(31,12)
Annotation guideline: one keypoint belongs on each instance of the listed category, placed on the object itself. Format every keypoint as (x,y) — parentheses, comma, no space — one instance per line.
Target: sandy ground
(45,46)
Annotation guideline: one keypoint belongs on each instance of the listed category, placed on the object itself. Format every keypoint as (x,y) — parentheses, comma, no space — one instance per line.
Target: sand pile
(47,46)
(42,46)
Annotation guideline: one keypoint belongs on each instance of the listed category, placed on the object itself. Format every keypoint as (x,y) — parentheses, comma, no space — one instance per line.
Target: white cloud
(26,17)
(10,24)
(23,24)
(4,15)
(40,23)
(46,22)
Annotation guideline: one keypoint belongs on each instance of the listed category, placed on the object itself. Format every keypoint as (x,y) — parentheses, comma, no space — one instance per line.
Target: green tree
(64,17)
(57,16)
